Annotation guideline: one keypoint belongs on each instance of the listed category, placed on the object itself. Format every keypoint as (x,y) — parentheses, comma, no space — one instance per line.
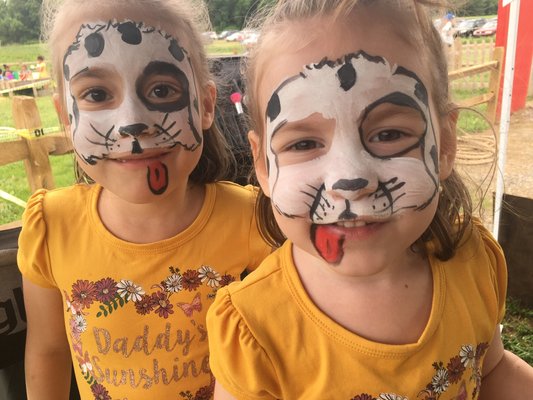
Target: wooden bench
(12,86)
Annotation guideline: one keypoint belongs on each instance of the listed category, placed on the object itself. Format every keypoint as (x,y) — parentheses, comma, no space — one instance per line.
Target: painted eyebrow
(308,124)
(390,110)
(90,73)
(161,68)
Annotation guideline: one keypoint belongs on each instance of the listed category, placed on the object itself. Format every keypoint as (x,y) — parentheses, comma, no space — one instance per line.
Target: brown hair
(188,18)
(454,212)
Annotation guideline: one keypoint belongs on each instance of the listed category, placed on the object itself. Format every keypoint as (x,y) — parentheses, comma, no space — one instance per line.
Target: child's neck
(391,307)
(151,222)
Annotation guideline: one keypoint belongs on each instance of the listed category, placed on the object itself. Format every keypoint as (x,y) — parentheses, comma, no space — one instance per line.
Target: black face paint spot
(273,107)
(421,93)
(76,112)
(66,72)
(66,69)
(130,33)
(435,158)
(94,44)
(133,130)
(163,68)
(347,76)
(176,50)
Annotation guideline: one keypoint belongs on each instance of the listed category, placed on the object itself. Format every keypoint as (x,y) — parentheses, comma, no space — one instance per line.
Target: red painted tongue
(328,243)
(157,177)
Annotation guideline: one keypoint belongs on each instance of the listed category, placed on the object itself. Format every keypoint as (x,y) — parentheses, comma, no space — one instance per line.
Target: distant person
(41,68)
(447,30)
(24,73)
(7,74)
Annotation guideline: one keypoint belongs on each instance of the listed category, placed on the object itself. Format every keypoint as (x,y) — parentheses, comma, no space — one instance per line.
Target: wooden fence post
(494,84)
(38,170)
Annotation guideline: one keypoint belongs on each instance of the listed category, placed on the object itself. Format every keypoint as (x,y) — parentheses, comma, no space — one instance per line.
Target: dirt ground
(477,152)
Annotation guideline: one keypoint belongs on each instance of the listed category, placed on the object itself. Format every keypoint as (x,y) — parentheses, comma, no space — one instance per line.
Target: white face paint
(341,128)
(140,119)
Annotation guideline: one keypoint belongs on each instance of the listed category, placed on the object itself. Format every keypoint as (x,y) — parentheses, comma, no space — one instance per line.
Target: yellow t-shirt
(268,340)
(41,69)
(135,313)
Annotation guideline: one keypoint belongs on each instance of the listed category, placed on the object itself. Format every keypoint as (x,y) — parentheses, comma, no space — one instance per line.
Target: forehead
(330,38)
(352,82)
(123,43)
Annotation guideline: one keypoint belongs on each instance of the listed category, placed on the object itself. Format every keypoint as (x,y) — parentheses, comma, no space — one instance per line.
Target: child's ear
(60,109)
(259,161)
(448,144)
(208,103)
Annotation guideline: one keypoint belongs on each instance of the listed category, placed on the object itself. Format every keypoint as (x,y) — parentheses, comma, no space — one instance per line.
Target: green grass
(221,47)
(471,121)
(517,331)
(21,53)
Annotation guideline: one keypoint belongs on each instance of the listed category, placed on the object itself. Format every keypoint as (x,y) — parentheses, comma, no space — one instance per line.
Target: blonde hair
(453,215)
(186,17)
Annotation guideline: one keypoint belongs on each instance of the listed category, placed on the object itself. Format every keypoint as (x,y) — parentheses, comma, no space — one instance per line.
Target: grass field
(518,324)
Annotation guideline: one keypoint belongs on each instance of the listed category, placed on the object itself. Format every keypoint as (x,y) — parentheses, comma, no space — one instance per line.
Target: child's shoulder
(268,278)
(59,201)
(231,195)
(478,238)
(236,191)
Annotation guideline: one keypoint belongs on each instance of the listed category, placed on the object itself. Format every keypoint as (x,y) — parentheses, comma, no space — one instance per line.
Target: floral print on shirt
(445,377)
(107,296)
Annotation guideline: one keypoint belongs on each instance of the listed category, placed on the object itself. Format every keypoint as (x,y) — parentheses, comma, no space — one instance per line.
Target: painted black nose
(350,184)
(132,130)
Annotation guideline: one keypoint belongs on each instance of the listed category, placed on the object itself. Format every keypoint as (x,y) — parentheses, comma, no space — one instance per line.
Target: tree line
(20,19)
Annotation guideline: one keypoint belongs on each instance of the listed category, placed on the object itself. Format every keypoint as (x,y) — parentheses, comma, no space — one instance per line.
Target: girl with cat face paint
(119,273)
(385,286)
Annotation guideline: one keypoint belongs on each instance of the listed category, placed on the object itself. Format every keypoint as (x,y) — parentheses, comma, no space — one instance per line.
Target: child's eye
(162,91)
(303,145)
(387,136)
(95,95)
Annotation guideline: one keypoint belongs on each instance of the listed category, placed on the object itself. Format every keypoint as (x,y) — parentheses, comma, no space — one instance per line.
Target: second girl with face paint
(118,274)
(385,288)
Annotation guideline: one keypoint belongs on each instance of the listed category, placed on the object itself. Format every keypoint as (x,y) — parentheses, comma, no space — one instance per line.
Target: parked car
(467,27)
(224,34)
(488,29)
(235,37)
(251,39)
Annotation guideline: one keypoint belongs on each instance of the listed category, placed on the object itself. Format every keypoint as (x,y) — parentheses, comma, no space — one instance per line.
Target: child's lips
(141,159)
(329,239)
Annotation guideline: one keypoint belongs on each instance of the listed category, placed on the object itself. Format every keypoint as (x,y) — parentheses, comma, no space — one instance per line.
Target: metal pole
(505,118)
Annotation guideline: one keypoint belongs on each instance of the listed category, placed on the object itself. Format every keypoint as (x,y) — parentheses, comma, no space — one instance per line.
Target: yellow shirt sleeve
(32,256)
(234,352)
(497,266)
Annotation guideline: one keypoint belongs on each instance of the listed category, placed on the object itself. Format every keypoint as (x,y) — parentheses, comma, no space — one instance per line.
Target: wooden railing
(490,97)
(33,150)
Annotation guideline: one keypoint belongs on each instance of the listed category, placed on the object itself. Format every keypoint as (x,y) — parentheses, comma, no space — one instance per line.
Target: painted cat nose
(351,189)
(350,184)
(132,130)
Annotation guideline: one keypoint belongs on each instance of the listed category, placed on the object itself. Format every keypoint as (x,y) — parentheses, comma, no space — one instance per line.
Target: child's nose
(133,129)
(352,189)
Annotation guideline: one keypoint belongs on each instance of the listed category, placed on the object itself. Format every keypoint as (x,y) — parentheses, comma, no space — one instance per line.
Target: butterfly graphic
(195,305)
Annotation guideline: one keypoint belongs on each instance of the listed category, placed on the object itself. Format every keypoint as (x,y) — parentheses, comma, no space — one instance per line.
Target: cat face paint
(350,140)
(144,96)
